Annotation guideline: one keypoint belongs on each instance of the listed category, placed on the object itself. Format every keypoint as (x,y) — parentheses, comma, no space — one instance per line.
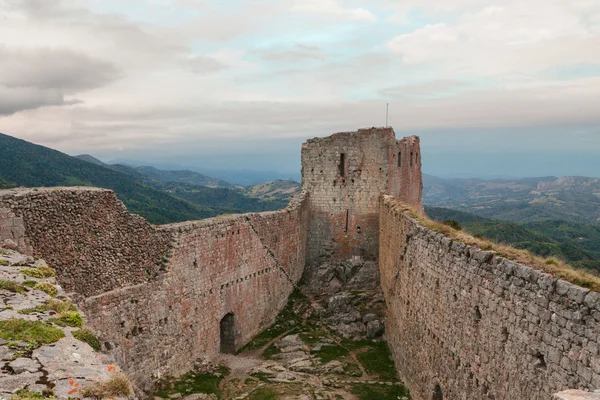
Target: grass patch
(6,308)
(191,383)
(264,393)
(313,337)
(377,360)
(330,352)
(33,332)
(41,272)
(24,394)
(68,318)
(48,288)
(87,336)
(12,287)
(4,263)
(270,351)
(352,369)
(29,283)
(555,267)
(56,305)
(380,392)
(262,376)
(116,386)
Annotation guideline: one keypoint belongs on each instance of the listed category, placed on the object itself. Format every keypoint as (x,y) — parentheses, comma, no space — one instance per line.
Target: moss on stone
(41,272)
(33,332)
(32,272)
(12,287)
(68,318)
(48,288)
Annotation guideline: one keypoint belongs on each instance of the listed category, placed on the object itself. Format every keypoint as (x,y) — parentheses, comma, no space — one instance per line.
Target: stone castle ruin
(462,323)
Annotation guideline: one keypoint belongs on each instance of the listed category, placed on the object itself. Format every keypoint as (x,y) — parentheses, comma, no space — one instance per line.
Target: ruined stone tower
(345,174)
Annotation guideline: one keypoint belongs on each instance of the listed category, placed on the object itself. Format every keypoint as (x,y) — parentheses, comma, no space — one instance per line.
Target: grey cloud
(202,65)
(64,70)
(17,99)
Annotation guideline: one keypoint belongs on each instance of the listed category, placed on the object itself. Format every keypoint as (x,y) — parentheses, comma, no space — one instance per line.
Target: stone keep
(345,174)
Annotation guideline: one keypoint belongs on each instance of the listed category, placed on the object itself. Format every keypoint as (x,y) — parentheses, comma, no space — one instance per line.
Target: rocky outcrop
(39,351)
(334,276)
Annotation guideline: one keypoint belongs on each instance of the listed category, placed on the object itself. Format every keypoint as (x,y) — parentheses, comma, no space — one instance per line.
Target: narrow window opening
(342,164)
(347,217)
(437,393)
(411,158)
(477,314)
(504,335)
(399,158)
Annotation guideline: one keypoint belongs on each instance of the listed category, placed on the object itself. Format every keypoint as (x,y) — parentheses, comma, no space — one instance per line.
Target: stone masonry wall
(345,174)
(86,234)
(156,295)
(480,326)
(241,264)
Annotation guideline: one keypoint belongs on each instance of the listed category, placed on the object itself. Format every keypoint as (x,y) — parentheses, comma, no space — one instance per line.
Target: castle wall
(86,234)
(479,326)
(345,173)
(161,322)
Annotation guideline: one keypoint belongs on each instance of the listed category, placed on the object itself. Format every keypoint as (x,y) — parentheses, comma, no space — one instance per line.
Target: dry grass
(551,265)
(117,386)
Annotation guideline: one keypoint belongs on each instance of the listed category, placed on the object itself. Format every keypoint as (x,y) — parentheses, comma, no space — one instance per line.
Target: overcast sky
(241,83)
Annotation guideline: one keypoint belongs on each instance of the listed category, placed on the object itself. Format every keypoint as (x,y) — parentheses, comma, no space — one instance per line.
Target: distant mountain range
(149,174)
(242,177)
(521,200)
(141,189)
(548,215)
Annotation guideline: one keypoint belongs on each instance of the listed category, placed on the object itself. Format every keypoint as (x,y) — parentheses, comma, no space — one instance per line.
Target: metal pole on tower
(387,112)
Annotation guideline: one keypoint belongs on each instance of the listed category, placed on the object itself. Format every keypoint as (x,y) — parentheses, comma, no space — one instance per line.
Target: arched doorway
(437,393)
(228,334)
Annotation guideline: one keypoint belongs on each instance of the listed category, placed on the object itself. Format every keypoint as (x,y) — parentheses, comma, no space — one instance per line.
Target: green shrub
(4,263)
(453,224)
(551,261)
(29,283)
(87,336)
(49,288)
(12,287)
(33,332)
(68,318)
(116,386)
